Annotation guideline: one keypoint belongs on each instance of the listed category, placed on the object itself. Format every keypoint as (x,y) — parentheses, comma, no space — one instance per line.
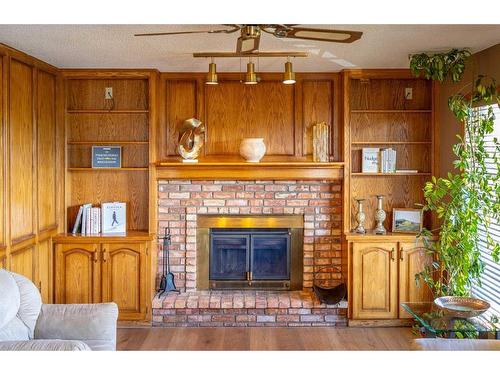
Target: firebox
(250,258)
(249,252)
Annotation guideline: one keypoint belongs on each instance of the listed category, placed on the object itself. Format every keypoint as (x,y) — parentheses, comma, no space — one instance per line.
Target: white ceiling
(114,46)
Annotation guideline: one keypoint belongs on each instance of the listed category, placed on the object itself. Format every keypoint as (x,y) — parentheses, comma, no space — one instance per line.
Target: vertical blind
(489,288)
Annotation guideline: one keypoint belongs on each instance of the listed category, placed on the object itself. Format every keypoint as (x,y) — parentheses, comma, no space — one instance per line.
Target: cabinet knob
(392,254)
(104,256)
(401,254)
(95,257)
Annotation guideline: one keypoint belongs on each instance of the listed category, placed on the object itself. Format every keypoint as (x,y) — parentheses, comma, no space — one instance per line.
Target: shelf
(108,143)
(130,236)
(372,237)
(241,170)
(107,169)
(108,111)
(393,143)
(390,174)
(391,110)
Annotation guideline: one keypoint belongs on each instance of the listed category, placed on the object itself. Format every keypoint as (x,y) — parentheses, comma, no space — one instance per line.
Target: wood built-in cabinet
(104,269)
(382,274)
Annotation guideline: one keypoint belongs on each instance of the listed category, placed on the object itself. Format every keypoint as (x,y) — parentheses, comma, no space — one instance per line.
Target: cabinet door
(375,293)
(124,278)
(78,273)
(412,258)
(44,270)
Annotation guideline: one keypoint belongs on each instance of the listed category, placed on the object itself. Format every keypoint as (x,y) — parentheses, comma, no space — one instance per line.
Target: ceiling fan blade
(227,31)
(325,35)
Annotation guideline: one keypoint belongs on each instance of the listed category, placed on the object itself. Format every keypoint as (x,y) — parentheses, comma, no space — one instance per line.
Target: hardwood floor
(263,338)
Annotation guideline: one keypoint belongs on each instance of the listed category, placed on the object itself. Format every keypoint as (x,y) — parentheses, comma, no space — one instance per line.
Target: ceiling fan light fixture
(289,75)
(212,75)
(250,76)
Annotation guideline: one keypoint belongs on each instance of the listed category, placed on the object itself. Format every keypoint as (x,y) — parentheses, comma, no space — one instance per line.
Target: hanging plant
(465,202)
(440,65)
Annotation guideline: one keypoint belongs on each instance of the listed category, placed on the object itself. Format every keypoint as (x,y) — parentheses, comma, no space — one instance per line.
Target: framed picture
(106,156)
(407,220)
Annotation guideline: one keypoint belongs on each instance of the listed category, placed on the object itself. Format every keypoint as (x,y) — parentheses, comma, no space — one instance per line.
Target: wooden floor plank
(263,338)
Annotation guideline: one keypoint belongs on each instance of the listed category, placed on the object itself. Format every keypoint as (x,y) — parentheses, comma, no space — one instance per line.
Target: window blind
(489,289)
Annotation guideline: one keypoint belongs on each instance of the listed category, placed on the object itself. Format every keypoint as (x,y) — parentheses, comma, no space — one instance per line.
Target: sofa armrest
(44,345)
(94,324)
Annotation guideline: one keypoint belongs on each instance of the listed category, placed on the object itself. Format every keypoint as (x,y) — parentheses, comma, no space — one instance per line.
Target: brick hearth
(180,203)
(246,308)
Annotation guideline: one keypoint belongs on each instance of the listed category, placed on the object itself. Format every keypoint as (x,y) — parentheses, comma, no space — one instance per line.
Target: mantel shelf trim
(249,171)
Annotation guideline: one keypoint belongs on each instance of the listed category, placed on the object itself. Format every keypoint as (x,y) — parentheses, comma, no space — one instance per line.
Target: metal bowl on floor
(462,307)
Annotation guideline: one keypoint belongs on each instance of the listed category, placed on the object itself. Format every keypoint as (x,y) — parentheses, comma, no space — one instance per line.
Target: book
(114,217)
(406,171)
(78,221)
(85,210)
(370,160)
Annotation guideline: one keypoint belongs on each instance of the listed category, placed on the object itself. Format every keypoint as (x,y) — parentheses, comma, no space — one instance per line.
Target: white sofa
(27,324)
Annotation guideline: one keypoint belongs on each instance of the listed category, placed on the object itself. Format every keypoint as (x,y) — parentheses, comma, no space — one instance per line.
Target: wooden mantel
(240,170)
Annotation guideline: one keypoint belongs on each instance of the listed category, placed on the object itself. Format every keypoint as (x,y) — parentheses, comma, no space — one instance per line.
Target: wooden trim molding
(248,171)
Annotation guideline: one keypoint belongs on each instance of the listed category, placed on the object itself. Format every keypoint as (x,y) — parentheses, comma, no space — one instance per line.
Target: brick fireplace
(182,206)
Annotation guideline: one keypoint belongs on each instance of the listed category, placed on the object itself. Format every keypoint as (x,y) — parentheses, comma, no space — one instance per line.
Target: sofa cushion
(10,298)
(31,302)
(58,345)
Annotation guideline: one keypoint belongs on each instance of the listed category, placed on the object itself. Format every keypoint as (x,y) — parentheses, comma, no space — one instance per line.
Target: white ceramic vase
(252,149)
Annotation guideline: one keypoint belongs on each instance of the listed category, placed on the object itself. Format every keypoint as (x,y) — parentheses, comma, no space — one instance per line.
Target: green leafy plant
(466,201)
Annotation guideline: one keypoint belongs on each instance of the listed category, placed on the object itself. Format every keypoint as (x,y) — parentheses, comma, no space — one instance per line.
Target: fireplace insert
(249,258)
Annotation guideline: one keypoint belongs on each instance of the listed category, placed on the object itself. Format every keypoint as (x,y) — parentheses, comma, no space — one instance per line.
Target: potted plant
(466,201)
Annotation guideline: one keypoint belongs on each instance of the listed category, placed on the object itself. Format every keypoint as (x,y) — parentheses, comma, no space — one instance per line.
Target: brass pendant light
(289,75)
(212,74)
(250,76)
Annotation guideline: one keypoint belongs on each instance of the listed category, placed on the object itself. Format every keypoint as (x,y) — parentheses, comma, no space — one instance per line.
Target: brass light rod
(253,54)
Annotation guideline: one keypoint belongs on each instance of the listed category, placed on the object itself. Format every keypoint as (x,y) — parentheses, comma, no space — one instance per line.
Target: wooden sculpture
(192,139)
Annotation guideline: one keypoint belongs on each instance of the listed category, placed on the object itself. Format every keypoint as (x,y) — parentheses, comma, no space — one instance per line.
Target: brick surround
(181,201)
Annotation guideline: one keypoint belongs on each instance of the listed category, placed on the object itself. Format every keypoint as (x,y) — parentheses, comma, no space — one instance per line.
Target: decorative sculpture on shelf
(192,139)
(360,217)
(320,142)
(380,217)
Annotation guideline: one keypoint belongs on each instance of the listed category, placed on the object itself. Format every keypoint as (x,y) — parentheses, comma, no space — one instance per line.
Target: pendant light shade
(212,74)
(289,75)
(250,76)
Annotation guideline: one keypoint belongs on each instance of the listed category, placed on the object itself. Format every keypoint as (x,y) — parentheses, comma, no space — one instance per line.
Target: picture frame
(407,220)
(106,157)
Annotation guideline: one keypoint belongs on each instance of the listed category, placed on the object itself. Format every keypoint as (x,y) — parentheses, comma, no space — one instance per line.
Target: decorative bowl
(461,307)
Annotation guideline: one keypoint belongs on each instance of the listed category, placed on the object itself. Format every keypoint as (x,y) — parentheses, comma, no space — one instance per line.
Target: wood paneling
(181,103)
(389,94)
(317,106)
(110,186)
(3,157)
(116,127)
(22,261)
(124,278)
(88,94)
(78,273)
(374,281)
(44,268)
(412,259)
(235,111)
(22,135)
(281,114)
(46,151)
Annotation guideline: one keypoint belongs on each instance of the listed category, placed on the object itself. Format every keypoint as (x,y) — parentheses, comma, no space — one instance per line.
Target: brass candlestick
(380,216)
(360,217)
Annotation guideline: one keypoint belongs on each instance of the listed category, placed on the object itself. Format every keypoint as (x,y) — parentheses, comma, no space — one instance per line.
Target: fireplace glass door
(249,258)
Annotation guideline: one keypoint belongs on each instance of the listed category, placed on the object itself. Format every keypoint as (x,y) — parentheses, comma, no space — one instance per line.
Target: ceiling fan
(249,38)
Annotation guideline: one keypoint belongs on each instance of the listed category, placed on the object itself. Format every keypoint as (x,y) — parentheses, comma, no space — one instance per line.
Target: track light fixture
(289,75)
(250,76)
(212,74)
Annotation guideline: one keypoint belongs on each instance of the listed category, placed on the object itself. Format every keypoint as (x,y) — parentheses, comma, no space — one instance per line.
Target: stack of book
(109,218)
(377,160)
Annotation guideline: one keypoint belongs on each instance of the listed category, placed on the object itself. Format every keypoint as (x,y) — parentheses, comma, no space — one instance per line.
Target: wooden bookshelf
(378,115)
(126,121)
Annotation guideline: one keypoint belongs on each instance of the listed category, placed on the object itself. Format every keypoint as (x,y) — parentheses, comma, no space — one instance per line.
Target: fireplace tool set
(167,283)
